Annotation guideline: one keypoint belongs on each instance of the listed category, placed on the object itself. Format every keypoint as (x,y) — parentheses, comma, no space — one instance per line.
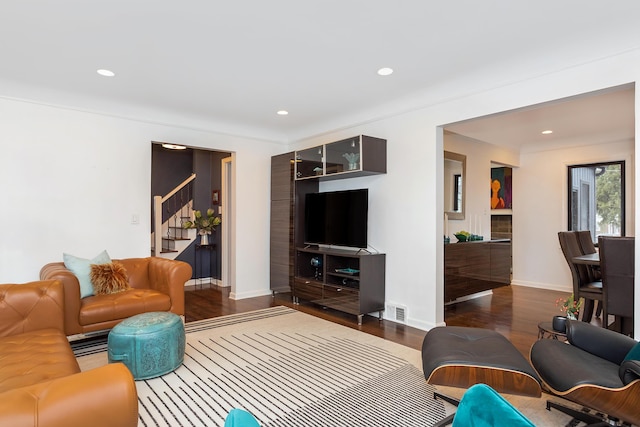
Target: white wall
(480,155)
(540,198)
(72,180)
(62,170)
(407,203)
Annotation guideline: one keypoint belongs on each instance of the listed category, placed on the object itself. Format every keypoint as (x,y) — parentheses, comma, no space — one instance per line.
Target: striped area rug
(288,369)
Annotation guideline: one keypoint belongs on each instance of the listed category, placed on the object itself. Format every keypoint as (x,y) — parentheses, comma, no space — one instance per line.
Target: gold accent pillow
(109,278)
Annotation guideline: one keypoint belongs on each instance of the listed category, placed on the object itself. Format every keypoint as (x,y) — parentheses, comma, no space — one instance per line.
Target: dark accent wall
(169,168)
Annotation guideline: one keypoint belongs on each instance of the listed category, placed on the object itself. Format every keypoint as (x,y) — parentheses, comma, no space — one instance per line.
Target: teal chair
(482,406)
(240,418)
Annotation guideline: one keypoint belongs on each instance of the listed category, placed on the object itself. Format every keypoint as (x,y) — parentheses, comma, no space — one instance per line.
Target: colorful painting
(501,186)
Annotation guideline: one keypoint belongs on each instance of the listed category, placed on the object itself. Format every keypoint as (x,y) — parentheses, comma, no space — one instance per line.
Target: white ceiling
(603,116)
(229,66)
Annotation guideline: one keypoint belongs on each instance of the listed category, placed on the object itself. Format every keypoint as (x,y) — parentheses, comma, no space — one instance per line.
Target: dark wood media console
(472,267)
(348,281)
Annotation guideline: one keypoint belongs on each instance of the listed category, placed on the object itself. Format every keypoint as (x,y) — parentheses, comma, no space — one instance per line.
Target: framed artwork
(215,198)
(501,188)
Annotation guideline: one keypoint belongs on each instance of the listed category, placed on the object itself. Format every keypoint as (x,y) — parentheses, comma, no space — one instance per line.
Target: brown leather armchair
(40,381)
(157,284)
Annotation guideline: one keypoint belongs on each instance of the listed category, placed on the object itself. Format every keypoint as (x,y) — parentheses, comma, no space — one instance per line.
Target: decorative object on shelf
(204,238)
(570,306)
(347,270)
(204,224)
(462,236)
(465,236)
(352,158)
(559,324)
(317,263)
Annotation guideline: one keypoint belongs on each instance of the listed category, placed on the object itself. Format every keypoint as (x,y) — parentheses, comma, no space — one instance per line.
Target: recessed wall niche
(501,227)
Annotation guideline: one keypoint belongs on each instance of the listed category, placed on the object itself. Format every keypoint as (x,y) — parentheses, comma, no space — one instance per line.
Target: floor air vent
(398,313)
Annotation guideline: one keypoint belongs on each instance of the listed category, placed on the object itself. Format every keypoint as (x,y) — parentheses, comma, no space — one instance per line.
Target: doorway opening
(193,176)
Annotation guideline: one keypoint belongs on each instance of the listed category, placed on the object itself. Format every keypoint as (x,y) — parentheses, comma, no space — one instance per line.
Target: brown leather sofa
(40,381)
(157,284)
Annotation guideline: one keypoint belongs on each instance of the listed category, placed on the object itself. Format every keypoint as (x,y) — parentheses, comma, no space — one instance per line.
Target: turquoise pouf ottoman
(149,344)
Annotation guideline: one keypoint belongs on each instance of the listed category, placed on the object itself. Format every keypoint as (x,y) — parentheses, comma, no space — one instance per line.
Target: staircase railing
(172,209)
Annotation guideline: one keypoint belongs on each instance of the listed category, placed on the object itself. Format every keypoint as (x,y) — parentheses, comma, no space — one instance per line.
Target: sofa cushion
(109,278)
(81,267)
(35,357)
(105,308)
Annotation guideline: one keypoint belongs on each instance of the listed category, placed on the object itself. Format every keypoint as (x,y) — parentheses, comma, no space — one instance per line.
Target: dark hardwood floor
(514,311)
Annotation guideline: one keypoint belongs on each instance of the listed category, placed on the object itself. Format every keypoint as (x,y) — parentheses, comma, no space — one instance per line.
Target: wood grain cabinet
(473,267)
(344,280)
(347,280)
(281,249)
(349,158)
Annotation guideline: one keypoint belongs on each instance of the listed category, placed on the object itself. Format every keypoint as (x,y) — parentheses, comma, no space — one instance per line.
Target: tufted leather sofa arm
(57,271)
(31,306)
(102,397)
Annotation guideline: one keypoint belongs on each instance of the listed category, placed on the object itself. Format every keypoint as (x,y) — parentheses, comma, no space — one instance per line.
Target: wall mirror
(454,184)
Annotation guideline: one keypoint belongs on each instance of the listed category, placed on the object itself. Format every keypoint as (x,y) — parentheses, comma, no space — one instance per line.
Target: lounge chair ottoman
(149,344)
(461,357)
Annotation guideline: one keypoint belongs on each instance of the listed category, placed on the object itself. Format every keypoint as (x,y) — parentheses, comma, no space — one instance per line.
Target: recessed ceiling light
(106,73)
(283,112)
(385,71)
(174,146)
(547,132)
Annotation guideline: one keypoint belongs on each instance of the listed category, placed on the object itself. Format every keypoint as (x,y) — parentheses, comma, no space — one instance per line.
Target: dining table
(588,259)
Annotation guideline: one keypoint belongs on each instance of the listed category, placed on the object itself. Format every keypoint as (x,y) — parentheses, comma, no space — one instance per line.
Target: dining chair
(617,264)
(585,285)
(588,247)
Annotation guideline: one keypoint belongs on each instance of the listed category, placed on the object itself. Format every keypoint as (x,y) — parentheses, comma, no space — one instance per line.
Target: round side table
(545,330)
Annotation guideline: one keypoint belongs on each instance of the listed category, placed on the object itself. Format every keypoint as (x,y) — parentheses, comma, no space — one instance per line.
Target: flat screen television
(337,218)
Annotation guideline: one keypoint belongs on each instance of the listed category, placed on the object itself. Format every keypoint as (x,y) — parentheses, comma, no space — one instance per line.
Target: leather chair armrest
(58,271)
(31,306)
(169,276)
(629,371)
(102,397)
(601,342)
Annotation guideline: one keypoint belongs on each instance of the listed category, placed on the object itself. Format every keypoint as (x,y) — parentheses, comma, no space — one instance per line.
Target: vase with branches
(205,224)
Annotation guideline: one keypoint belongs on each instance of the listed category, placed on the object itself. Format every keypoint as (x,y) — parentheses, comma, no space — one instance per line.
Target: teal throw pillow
(240,418)
(634,353)
(82,269)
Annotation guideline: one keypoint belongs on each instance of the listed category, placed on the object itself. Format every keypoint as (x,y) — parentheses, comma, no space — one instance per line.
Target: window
(596,198)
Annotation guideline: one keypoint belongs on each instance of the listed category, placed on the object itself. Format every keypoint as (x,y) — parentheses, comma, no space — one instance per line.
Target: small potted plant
(571,308)
(204,224)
